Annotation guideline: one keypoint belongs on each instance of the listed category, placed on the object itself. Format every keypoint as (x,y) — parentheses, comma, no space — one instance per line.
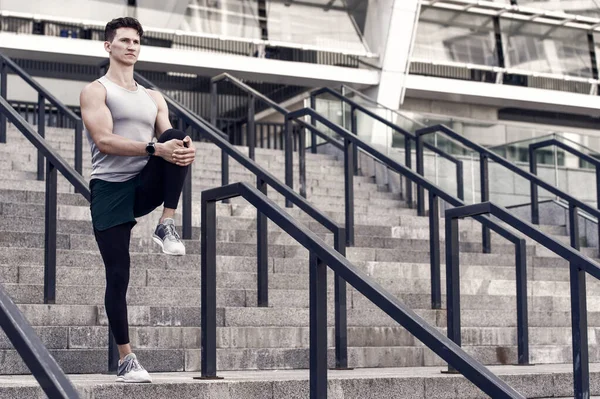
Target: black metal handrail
(408,137)
(43,95)
(254,94)
(31,349)
(486,155)
(264,178)
(29,110)
(435,193)
(321,257)
(579,266)
(535,208)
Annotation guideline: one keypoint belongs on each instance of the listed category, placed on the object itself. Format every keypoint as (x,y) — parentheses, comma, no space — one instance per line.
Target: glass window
(453,36)
(223,17)
(546,48)
(314,26)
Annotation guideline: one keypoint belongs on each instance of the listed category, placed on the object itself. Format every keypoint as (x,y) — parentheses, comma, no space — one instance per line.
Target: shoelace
(170,231)
(133,365)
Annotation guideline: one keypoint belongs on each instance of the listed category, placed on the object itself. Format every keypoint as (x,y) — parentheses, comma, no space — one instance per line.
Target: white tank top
(134,114)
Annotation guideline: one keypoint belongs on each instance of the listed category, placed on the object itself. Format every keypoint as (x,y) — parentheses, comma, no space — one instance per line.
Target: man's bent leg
(162,182)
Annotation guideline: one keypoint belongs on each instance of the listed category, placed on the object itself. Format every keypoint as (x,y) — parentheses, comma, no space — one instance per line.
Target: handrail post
(408,163)
(522,315)
(421,171)
(214,109)
(289,158)
(214,103)
(251,126)
(434,251)
(42,132)
(313,135)
(318,327)
(349,190)
(535,205)
(341,314)
(579,325)
(208,278)
(460,183)
(3,94)
(354,130)
(452,283)
(485,196)
(50,235)
(262,251)
(113,352)
(79,146)
(186,212)
(302,160)
(224,171)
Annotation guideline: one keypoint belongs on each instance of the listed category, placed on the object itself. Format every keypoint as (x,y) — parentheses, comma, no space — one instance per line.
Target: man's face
(125,47)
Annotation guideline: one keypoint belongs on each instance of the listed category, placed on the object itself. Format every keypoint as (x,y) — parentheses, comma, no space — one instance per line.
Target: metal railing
(253,97)
(264,179)
(485,155)
(31,349)
(43,95)
(408,137)
(435,193)
(579,266)
(321,256)
(533,147)
(30,111)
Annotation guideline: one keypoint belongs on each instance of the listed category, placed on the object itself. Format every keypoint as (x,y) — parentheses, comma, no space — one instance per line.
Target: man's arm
(162,117)
(98,121)
(182,156)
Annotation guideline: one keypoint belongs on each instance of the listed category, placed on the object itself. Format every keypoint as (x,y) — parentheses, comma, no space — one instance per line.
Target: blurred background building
(497,71)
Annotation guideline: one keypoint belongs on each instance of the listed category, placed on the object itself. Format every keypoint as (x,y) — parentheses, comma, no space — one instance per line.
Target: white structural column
(390,31)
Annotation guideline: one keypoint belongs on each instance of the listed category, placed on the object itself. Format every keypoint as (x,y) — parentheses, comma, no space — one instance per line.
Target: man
(131,174)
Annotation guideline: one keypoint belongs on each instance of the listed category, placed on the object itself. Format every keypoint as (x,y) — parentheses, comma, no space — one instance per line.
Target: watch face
(150,149)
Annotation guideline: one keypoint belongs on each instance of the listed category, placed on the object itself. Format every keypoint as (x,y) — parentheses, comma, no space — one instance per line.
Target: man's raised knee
(171,134)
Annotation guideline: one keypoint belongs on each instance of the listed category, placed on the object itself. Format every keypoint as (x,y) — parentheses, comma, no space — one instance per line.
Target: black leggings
(161,182)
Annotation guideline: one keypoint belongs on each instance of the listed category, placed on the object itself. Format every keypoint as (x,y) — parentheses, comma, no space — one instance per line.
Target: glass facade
(448,36)
(545,48)
(304,24)
(315,24)
(224,17)
(457,37)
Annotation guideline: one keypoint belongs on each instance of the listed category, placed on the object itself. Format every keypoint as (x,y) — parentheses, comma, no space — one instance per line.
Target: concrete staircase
(164,295)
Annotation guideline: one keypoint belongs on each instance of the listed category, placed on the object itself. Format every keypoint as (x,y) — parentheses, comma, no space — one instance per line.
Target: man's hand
(167,150)
(185,155)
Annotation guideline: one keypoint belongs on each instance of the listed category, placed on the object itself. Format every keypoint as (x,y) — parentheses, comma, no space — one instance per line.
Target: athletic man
(131,174)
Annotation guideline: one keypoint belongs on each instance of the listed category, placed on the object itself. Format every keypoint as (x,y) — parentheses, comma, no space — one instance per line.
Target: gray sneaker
(166,236)
(130,370)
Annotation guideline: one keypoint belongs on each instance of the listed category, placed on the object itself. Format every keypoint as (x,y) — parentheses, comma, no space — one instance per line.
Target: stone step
(492,282)
(34,256)
(161,360)
(176,337)
(540,381)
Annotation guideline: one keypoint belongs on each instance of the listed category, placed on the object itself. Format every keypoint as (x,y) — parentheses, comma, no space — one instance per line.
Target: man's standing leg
(114,248)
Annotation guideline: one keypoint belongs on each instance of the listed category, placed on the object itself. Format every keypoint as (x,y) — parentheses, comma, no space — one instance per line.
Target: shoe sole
(133,382)
(159,242)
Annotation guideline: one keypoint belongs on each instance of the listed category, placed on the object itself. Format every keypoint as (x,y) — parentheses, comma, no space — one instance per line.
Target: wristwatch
(150,148)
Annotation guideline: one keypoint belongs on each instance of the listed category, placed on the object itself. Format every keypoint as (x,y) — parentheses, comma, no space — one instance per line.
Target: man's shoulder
(93,89)
(154,93)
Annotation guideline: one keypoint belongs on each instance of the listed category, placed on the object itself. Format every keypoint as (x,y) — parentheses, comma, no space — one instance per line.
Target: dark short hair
(124,22)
